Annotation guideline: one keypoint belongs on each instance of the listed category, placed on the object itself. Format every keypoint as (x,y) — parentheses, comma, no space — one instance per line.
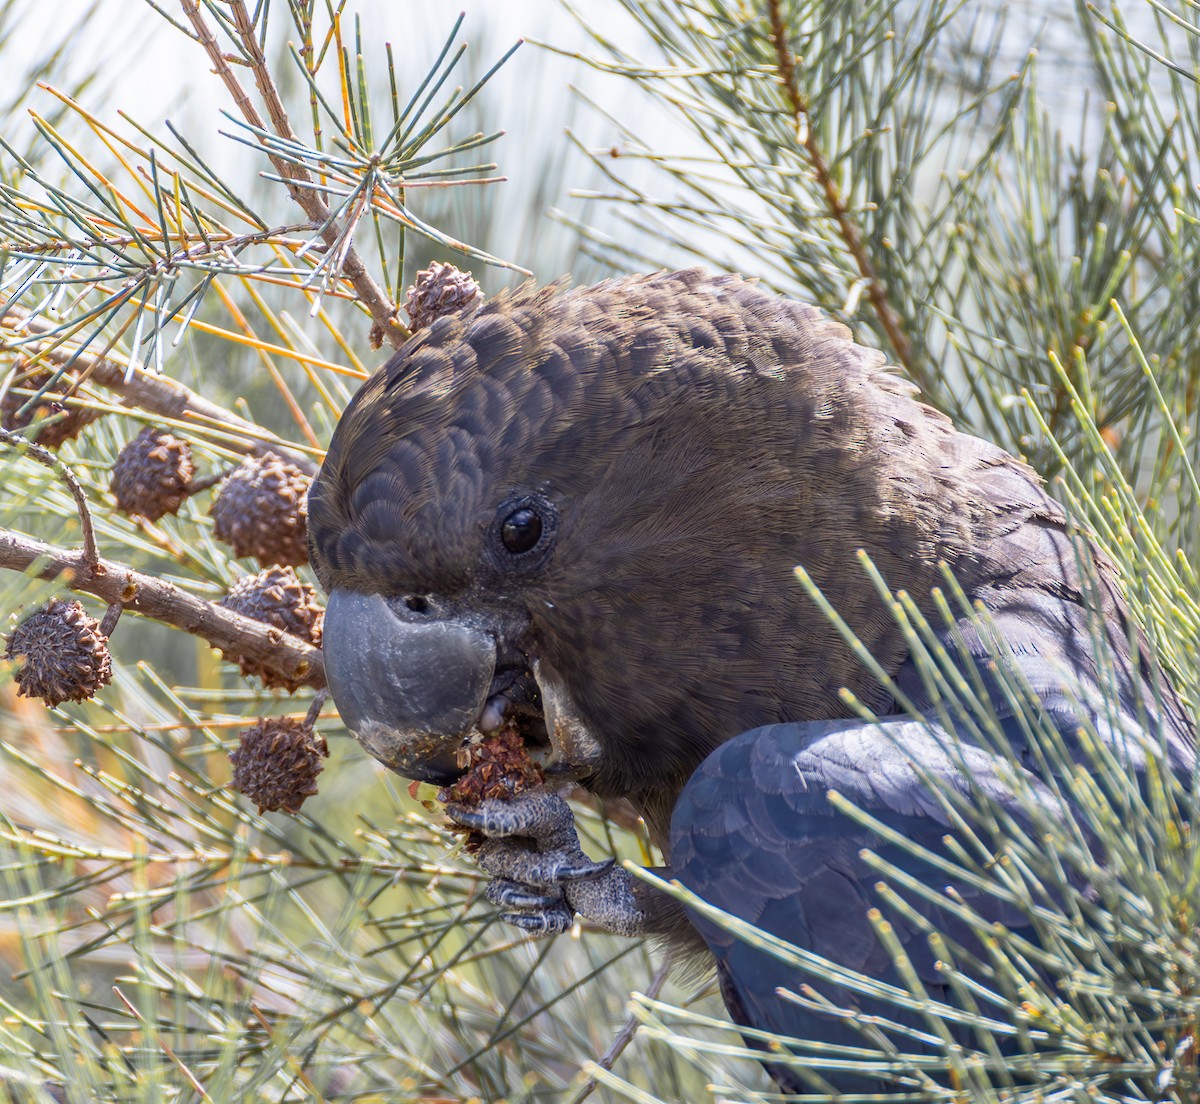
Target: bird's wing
(754,832)
(1047,646)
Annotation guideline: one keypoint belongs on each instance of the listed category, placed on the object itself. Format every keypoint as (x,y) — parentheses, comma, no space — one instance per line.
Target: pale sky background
(154,72)
(150,64)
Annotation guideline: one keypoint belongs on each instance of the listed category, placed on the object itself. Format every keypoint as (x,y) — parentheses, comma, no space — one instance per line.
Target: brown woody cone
(277,597)
(71,421)
(63,654)
(437,290)
(499,768)
(153,474)
(262,511)
(277,762)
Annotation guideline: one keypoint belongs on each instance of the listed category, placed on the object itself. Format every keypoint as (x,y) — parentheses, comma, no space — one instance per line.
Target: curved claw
(514,895)
(465,817)
(545,869)
(586,871)
(552,921)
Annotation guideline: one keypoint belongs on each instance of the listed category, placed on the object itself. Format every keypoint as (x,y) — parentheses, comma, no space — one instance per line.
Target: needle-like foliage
(1033,268)
(879,159)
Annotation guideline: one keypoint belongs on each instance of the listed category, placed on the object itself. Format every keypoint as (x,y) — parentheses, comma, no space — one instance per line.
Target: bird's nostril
(417,603)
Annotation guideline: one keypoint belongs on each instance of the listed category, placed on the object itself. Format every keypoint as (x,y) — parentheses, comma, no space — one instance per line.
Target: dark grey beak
(409,686)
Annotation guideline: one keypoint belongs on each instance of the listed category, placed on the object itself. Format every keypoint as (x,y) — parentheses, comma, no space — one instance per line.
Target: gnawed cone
(277,596)
(437,290)
(499,767)
(277,762)
(63,655)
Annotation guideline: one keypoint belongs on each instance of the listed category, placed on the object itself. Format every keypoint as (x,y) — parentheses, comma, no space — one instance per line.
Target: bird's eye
(523,533)
(521,530)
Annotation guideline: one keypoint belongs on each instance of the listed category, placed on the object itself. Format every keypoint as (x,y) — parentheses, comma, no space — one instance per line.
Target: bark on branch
(163,396)
(113,582)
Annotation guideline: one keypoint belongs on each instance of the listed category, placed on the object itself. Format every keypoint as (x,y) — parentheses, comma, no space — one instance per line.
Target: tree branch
(113,582)
(159,395)
(369,293)
(625,1036)
(847,228)
(91,554)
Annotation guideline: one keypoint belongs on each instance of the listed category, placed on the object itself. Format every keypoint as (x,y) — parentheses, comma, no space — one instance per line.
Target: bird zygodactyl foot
(541,874)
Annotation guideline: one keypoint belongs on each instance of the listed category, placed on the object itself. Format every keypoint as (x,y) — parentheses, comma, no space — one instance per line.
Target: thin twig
(180,247)
(160,395)
(111,616)
(370,294)
(314,710)
(91,554)
(166,1049)
(847,227)
(280,652)
(208,481)
(625,1036)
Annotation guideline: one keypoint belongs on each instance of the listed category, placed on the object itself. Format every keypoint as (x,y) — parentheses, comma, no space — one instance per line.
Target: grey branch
(91,555)
(626,1034)
(152,597)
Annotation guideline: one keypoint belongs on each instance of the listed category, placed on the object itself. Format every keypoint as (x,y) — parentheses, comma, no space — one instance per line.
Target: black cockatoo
(584,509)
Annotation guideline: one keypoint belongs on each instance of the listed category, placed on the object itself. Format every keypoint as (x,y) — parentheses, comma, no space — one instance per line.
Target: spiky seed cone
(277,597)
(277,762)
(73,418)
(63,654)
(499,768)
(153,474)
(437,290)
(262,511)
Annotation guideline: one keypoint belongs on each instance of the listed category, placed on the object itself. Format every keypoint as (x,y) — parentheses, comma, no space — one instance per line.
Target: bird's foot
(542,877)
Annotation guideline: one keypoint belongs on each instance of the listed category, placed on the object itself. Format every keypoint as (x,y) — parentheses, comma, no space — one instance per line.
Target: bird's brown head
(584,508)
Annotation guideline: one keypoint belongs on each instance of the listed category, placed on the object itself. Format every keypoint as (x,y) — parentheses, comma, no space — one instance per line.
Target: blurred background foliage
(1018,229)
